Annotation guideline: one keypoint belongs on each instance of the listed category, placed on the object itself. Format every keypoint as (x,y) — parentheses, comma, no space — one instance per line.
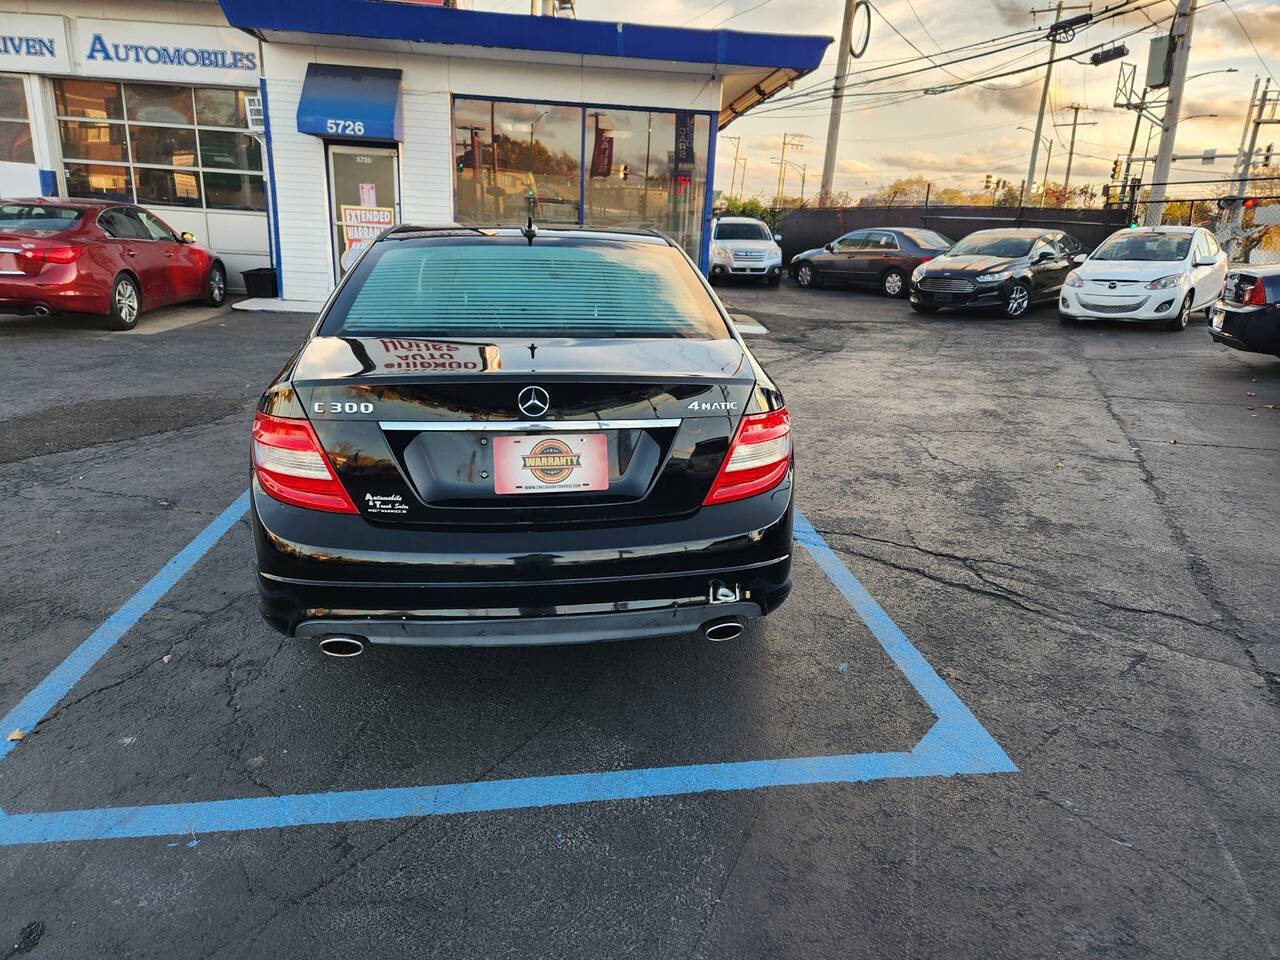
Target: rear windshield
(504,287)
(992,245)
(37,216)
(1141,245)
(742,231)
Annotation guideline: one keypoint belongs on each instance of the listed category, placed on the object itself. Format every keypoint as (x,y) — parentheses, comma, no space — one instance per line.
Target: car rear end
(493,442)
(1248,315)
(47,259)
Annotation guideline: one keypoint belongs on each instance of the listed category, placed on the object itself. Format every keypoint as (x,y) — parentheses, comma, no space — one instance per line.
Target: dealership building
(285,134)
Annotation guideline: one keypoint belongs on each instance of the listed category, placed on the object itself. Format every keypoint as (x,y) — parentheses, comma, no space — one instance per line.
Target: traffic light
(1250,203)
(1115,169)
(1266,155)
(986,182)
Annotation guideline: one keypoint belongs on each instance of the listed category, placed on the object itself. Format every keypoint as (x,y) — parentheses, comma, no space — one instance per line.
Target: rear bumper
(58,291)
(331,573)
(1252,329)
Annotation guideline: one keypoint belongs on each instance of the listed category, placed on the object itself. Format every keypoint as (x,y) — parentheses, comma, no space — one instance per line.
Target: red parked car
(88,256)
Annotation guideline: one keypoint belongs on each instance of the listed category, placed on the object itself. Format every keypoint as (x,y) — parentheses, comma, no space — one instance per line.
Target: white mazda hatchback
(1149,274)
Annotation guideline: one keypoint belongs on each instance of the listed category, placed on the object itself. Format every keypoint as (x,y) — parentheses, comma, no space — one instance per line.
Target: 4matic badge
(713,405)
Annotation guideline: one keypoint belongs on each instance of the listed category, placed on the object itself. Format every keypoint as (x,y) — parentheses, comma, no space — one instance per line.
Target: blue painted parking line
(956,744)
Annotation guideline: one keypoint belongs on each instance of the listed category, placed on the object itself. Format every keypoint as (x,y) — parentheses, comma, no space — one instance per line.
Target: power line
(1251,43)
(741,12)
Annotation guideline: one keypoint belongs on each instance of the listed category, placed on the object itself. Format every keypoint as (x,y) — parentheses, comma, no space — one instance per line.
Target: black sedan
(1248,315)
(498,437)
(883,257)
(1005,269)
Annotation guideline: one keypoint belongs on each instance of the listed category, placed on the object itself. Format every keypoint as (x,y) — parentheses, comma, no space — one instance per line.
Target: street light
(1048,144)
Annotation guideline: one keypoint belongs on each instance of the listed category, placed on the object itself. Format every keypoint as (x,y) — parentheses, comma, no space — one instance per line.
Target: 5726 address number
(355,127)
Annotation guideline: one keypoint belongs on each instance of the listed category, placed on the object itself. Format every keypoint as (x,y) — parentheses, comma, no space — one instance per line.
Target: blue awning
(351,103)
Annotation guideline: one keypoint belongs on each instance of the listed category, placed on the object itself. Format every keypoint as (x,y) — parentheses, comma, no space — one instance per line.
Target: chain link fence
(1249,230)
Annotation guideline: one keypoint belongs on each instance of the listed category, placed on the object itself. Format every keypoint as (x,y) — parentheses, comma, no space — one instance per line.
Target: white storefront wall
(426,153)
(183,43)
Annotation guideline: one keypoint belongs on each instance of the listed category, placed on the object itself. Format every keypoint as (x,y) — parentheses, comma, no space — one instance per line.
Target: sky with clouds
(954,139)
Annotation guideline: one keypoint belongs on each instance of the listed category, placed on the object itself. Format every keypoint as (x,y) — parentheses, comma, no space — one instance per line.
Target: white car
(745,247)
(1147,274)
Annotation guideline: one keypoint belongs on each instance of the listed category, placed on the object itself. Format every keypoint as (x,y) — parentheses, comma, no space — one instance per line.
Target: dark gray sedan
(883,257)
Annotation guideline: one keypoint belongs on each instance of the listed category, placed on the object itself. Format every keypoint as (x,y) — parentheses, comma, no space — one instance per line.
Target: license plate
(550,463)
(10,264)
(1217,319)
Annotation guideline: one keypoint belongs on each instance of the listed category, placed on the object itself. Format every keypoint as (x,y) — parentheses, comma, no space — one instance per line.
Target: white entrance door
(364,187)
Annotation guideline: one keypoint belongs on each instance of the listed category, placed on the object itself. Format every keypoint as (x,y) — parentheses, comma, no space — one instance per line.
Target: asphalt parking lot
(1069,749)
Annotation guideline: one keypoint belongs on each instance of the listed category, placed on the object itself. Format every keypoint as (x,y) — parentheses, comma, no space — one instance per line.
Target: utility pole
(837,104)
(1180,37)
(737,142)
(1075,109)
(788,140)
(1044,97)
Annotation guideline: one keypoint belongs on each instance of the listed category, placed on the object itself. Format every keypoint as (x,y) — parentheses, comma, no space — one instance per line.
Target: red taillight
(758,458)
(1256,295)
(292,467)
(60,254)
(926,259)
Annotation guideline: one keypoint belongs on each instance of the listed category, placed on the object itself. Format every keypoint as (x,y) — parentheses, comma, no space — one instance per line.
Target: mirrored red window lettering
(159,144)
(516,160)
(15,128)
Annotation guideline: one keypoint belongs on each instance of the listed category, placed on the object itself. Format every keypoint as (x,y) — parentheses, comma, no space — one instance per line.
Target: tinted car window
(499,287)
(1144,245)
(1044,245)
(927,238)
(154,228)
(32,216)
(115,223)
(742,231)
(992,245)
(852,241)
(880,240)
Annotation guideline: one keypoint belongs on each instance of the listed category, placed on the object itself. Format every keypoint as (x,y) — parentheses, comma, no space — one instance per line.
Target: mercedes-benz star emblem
(533,401)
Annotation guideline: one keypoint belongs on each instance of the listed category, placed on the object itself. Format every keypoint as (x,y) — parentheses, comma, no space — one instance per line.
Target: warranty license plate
(550,463)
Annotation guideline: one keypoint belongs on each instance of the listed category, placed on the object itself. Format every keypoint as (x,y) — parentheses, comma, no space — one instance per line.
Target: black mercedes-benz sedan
(1009,270)
(497,437)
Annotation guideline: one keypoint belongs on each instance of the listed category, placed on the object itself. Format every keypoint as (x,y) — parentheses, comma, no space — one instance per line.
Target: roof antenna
(529,231)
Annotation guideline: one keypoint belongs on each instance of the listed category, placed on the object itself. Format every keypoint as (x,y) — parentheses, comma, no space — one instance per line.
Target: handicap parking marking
(957,743)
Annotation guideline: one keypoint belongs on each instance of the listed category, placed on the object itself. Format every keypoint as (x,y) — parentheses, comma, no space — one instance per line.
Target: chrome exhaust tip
(40,310)
(718,631)
(336,645)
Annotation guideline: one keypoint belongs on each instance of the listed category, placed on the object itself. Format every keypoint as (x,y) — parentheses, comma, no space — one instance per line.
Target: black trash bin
(260,282)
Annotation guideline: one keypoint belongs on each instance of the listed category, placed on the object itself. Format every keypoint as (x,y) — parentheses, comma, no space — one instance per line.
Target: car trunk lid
(534,433)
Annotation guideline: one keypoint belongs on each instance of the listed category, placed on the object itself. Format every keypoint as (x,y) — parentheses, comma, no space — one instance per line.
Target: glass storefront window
(648,169)
(515,160)
(166,146)
(642,168)
(234,151)
(234,191)
(99,181)
(172,188)
(86,140)
(15,131)
(156,104)
(164,139)
(221,108)
(94,99)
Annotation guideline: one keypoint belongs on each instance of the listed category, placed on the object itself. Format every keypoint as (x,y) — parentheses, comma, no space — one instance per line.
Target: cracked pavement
(1075,526)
